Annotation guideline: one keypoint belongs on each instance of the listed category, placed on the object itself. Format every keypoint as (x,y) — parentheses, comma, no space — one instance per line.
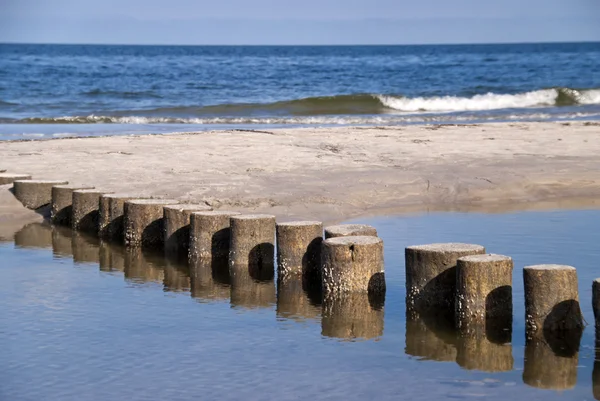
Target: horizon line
(304,44)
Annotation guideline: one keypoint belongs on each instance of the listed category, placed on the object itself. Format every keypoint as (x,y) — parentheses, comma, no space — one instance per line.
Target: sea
(51,91)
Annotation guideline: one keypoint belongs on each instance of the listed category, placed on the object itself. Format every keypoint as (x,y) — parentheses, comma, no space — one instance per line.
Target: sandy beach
(330,174)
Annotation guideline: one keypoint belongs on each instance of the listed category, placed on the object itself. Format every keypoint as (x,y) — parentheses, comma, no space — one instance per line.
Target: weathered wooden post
(144,223)
(34,194)
(177,228)
(299,249)
(61,209)
(111,216)
(551,299)
(352,264)
(86,203)
(9,178)
(431,276)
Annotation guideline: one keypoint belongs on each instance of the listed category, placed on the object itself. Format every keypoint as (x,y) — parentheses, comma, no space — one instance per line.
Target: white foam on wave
(536,115)
(489,101)
(589,97)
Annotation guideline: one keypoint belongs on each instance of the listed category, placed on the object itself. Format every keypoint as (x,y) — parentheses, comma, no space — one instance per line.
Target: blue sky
(298,22)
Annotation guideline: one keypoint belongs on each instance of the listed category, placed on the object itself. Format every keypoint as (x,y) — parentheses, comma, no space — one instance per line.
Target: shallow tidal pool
(84,320)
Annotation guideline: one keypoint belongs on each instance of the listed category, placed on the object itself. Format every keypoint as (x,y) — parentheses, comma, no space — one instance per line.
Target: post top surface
(153,201)
(300,223)
(348,228)
(121,196)
(448,247)
(73,187)
(88,191)
(353,240)
(215,213)
(549,267)
(485,258)
(33,182)
(188,206)
(252,216)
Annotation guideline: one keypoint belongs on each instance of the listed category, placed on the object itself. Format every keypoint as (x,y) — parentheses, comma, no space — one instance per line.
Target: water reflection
(297,299)
(353,316)
(34,235)
(86,248)
(143,266)
(112,257)
(431,338)
(479,351)
(62,242)
(251,292)
(209,278)
(596,371)
(177,276)
(551,360)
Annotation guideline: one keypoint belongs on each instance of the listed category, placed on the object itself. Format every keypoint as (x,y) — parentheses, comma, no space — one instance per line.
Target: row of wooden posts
(348,260)
(461,278)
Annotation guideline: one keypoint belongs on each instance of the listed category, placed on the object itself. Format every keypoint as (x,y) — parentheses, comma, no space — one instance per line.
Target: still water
(85,320)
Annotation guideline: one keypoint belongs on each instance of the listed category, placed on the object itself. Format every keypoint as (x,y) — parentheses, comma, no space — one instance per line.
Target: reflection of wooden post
(177,276)
(596,370)
(350,230)
(34,235)
(35,193)
(484,290)
(141,267)
(352,316)
(431,275)
(551,299)
(477,352)
(551,360)
(431,339)
(299,249)
(352,264)
(247,292)
(209,278)
(62,203)
(61,242)
(86,248)
(295,300)
(177,228)
(86,203)
(112,257)
(144,222)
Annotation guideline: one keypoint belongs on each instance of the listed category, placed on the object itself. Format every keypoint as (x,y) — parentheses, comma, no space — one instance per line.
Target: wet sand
(331,174)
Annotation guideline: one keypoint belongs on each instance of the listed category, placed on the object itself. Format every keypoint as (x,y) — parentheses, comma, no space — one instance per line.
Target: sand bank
(332,174)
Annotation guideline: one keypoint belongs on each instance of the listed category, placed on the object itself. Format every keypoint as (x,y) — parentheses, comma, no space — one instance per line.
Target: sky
(316,22)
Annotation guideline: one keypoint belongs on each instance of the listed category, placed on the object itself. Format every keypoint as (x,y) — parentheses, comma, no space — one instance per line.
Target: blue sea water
(88,320)
(57,90)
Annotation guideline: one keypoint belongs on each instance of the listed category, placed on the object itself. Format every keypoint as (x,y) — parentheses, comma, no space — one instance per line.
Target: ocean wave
(493,101)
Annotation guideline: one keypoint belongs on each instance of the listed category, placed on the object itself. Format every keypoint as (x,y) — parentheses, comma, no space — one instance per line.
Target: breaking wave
(346,109)
(493,101)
